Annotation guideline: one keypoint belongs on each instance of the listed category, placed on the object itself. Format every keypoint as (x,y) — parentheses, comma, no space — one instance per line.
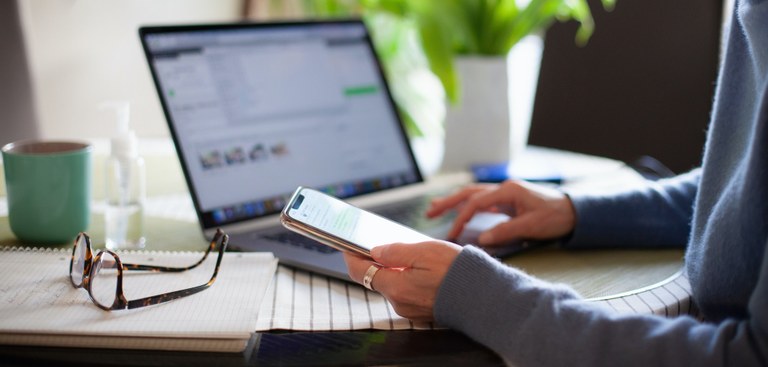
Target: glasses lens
(78,260)
(104,280)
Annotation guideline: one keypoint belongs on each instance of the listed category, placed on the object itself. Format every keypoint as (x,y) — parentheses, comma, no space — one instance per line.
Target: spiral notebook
(39,305)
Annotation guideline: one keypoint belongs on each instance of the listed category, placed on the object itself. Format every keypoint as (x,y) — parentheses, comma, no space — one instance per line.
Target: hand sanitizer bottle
(125,186)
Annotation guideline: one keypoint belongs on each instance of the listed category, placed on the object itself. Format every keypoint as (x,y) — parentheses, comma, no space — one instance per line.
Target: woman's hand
(537,212)
(410,274)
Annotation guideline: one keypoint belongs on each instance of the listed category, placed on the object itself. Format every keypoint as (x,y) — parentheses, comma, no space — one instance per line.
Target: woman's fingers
(409,276)
(487,200)
(440,205)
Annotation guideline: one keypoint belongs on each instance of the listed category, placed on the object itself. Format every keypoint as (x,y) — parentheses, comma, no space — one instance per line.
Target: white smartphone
(341,225)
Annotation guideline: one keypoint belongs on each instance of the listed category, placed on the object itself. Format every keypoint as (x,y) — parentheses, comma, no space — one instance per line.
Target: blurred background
(640,83)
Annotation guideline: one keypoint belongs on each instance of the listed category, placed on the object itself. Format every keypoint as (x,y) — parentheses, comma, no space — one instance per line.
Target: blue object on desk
(499,172)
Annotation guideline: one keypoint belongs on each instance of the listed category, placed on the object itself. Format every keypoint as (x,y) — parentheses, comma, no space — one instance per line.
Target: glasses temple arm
(173,268)
(165,297)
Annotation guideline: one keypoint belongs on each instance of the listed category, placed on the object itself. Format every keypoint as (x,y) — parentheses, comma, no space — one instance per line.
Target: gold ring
(368,277)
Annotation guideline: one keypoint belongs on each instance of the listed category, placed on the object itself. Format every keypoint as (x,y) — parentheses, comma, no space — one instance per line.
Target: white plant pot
(491,122)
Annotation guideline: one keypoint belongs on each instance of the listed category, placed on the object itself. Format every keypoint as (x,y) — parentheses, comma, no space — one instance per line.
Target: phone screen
(347,222)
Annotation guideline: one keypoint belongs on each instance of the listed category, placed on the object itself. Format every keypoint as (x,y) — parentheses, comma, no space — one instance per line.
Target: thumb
(396,255)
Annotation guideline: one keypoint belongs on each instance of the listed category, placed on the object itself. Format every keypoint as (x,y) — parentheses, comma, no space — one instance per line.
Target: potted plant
(468,46)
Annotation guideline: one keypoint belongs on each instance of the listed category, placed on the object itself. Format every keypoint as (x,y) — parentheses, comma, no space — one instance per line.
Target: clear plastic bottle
(125,186)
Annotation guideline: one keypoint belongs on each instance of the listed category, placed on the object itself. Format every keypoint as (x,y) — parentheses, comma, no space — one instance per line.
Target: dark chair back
(643,85)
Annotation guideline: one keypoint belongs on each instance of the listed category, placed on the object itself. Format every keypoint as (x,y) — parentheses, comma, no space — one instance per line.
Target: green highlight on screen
(356,91)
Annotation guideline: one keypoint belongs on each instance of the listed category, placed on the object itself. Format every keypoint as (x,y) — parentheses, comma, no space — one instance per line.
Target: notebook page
(37,297)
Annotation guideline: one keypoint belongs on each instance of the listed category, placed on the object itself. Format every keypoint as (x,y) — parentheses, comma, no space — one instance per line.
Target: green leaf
(504,17)
(437,46)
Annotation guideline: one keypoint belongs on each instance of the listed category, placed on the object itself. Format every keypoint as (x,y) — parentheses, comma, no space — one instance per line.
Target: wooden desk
(619,278)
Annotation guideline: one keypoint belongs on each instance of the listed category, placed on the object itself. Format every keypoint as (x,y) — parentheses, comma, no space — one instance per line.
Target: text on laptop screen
(258,110)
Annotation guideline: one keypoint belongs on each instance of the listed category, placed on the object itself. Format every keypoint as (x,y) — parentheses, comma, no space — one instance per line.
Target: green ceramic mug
(48,184)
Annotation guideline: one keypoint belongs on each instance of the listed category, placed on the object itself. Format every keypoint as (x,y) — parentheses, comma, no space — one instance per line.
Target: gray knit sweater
(720,211)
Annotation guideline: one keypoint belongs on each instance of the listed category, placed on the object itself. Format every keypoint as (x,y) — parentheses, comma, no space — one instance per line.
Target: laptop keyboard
(295,239)
(410,213)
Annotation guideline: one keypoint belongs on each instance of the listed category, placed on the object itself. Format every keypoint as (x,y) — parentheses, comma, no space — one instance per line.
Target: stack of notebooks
(39,305)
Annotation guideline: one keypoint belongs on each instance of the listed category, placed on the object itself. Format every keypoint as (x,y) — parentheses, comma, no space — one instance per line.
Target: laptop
(255,110)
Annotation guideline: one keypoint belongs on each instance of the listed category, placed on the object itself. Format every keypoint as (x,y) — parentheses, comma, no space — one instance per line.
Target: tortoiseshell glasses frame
(84,268)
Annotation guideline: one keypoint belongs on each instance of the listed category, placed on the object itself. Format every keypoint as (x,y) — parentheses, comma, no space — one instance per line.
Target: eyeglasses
(102,276)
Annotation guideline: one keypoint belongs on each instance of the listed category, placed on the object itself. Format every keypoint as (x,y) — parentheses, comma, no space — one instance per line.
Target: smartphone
(340,225)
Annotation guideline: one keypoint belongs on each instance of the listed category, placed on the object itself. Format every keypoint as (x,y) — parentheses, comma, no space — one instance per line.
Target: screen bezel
(206,218)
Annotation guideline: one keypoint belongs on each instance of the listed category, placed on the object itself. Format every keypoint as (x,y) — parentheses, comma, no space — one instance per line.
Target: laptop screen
(256,110)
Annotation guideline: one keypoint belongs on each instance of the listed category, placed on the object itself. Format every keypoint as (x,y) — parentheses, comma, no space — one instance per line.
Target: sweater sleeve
(533,323)
(657,214)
